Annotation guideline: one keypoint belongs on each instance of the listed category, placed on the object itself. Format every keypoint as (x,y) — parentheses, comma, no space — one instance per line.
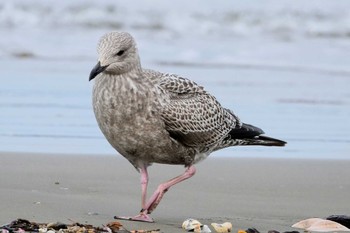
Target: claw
(140,218)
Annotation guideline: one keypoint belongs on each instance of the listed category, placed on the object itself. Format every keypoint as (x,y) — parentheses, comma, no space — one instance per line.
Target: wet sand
(262,193)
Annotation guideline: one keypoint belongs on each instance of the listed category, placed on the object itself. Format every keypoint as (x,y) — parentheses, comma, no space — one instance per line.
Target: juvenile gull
(153,117)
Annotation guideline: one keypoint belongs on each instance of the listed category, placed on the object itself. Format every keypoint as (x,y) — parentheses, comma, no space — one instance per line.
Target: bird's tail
(249,135)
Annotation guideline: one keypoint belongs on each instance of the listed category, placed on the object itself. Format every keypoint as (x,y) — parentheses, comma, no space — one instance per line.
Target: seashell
(43,230)
(56,225)
(114,226)
(222,228)
(341,219)
(241,231)
(205,229)
(252,230)
(50,231)
(306,223)
(145,231)
(20,230)
(320,225)
(327,226)
(191,224)
(273,231)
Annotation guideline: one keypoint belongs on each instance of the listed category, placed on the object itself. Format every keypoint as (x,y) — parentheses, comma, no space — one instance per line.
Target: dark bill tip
(96,70)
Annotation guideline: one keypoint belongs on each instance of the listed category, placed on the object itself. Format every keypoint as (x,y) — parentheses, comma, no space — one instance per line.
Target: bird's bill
(96,70)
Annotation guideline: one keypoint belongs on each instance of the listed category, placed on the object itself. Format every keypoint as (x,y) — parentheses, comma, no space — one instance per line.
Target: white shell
(205,229)
(50,231)
(192,225)
(223,227)
(320,225)
(43,230)
(306,223)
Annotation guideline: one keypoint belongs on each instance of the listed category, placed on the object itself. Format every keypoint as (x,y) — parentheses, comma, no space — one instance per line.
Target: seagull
(153,117)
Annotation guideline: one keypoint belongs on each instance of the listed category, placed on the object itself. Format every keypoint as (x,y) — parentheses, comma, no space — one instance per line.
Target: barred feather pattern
(191,115)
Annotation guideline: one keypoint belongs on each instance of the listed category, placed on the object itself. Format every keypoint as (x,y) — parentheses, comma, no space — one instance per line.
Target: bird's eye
(121,52)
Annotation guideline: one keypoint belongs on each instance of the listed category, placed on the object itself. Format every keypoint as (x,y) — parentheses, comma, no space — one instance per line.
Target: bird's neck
(129,83)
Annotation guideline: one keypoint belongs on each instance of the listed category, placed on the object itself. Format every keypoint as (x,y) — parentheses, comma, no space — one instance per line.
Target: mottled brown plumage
(152,117)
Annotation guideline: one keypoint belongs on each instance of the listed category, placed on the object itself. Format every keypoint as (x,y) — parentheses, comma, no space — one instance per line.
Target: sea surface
(281,65)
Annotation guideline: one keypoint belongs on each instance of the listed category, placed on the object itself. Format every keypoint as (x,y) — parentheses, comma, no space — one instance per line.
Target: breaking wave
(321,19)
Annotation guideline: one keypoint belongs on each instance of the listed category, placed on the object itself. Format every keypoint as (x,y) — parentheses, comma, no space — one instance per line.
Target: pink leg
(144,183)
(143,217)
(157,195)
(162,188)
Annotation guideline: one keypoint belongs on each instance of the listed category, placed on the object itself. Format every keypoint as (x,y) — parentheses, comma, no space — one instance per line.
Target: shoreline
(264,193)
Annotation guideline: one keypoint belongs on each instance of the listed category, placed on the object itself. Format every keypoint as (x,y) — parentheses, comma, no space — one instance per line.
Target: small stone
(92,213)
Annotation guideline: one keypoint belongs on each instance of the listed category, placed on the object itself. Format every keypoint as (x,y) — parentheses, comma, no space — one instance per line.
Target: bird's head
(117,54)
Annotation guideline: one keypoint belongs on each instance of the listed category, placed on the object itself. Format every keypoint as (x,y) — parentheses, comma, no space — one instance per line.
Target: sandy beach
(262,193)
(279,66)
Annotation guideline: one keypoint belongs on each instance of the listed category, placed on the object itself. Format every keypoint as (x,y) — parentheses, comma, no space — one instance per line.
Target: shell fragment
(191,224)
(222,228)
(205,229)
(320,225)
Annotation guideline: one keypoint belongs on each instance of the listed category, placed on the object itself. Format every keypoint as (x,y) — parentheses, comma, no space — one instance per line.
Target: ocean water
(281,65)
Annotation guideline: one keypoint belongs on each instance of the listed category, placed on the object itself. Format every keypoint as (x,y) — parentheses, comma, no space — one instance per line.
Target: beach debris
(341,219)
(327,226)
(193,225)
(56,225)
(92,213)
(114,226)
(274,231)
(223,227)
(205,229)
(304,224)
(43,230)
(320,225)
(252,230)
(25,226)
(146,231)
(22,224)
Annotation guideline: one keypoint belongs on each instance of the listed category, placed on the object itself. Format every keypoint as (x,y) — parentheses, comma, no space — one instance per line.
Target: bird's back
(196,119)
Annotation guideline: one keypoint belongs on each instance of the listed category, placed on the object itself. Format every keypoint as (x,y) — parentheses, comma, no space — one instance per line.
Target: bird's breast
(122,103)
(127,115)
